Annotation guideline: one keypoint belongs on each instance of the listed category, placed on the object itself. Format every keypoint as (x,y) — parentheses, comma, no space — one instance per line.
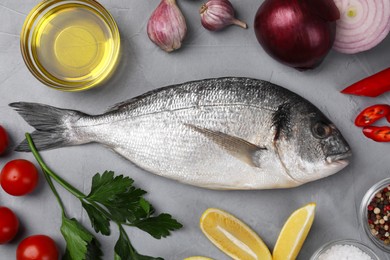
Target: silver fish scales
(223,133)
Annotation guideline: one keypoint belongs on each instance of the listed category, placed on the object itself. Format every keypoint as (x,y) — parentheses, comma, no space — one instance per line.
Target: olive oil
(72,45)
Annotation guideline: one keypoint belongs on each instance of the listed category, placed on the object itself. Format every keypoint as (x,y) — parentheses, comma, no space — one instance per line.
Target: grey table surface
(143,67)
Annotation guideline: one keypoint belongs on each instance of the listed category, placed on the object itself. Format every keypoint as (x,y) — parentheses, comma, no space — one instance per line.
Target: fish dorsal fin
(235,146)
(133,101)
(122,104)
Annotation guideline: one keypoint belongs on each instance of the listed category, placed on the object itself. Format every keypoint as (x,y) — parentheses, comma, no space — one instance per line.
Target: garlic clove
(167,26)
(218,14)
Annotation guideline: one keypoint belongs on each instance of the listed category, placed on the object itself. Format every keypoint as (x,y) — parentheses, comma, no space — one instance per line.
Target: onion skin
(297,33)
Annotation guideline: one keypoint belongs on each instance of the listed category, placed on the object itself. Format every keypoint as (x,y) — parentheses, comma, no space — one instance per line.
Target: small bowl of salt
(346,249)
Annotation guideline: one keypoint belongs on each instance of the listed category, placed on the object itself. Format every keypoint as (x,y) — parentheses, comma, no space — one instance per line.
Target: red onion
(298,33)
(363,24)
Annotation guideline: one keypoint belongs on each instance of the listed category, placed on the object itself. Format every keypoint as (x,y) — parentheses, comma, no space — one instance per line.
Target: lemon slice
(197,258)
(232,236)
(294,233)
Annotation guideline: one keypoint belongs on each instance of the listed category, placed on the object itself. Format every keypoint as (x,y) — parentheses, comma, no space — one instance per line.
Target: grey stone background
(232,52)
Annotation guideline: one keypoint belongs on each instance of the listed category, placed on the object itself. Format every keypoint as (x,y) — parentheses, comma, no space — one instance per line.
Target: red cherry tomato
(37,247)
(9,225)
(19,177)
(377,133)
(372,114)
(3,140)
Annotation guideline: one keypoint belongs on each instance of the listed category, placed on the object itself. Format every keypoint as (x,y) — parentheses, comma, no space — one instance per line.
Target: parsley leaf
(159,226)
(107,188)
(125,251)
(99,221)
(80,243)
(145,205)
(118,195)
(112,198)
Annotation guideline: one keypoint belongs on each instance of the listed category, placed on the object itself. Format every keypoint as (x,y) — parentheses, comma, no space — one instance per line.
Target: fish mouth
(339,158)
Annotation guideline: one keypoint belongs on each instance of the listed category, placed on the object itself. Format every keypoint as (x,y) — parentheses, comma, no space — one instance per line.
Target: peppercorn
(378,215)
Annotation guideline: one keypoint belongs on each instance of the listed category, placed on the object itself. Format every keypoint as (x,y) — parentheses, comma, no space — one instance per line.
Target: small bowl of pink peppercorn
(375,214)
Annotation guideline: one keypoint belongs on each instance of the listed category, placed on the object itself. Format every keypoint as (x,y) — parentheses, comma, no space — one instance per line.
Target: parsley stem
(48,171)
(55,192)
(101,209)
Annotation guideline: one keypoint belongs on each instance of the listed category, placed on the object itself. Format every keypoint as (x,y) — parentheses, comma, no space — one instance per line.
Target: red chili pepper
(372,114)
(372,86)
(377,133)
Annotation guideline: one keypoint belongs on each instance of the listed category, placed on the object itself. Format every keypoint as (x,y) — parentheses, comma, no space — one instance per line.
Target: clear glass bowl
(351,242)
(70,45)
(363,213)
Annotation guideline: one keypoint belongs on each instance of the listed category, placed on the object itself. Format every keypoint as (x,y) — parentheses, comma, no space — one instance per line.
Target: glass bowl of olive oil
(70,45)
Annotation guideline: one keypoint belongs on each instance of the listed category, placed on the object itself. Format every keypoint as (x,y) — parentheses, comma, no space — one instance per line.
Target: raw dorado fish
(223,133)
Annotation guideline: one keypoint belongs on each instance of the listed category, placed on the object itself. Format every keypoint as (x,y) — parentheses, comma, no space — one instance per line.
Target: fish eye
(321,130)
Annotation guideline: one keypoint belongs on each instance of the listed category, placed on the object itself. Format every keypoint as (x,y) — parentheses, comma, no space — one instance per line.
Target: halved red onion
(363,24)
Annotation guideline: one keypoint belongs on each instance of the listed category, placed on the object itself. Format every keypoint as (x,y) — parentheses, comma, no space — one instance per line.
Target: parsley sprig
(111,199)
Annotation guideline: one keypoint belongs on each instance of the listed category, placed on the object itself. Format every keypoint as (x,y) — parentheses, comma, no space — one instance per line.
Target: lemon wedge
(197,258)
(294,233)
(232,236)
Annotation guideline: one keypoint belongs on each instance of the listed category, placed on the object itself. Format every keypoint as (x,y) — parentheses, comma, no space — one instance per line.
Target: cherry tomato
(372,114)
(37,247)
(377,133)
(3,140)
(19,177)
(9,225)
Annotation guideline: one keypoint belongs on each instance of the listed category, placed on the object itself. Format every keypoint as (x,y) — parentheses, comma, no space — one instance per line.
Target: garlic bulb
(217,14)
(167,26)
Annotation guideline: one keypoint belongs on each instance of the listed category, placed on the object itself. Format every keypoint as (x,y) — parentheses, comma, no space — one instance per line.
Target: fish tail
(55,127)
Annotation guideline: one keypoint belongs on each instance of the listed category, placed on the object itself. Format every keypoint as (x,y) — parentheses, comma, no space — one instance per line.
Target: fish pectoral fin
(235,146)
